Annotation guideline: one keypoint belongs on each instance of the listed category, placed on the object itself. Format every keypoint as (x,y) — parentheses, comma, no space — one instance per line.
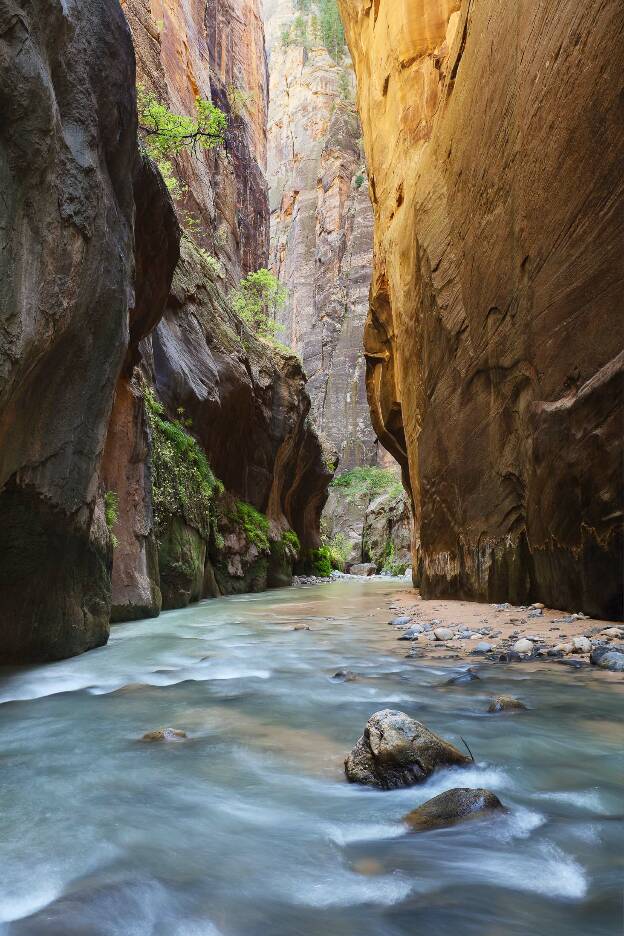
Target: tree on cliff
(166,134)
(257,299)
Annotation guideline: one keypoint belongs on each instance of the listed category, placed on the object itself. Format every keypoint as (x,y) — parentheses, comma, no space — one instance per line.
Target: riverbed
(248,827)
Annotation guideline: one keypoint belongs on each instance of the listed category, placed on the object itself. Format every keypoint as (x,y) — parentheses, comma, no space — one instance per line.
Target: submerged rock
(398,751)
(344,676)
(462,679)
(506,704)
(165,734)
(453,806)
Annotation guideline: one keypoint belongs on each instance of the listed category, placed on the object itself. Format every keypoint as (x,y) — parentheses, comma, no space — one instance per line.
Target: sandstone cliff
(494,135)
(321,224)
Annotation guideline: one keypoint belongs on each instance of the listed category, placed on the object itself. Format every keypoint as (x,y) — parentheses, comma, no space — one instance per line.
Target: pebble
(536,612)
(402,621)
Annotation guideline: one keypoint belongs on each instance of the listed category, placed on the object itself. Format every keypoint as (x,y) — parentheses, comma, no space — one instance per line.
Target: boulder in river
(165,734)
(398,751)
(453,806)
(506,703)
(364,569)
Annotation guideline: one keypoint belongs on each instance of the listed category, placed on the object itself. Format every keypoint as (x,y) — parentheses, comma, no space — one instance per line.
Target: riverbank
(442,629)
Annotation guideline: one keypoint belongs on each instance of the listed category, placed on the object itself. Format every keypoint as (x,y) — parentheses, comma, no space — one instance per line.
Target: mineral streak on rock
(493,136)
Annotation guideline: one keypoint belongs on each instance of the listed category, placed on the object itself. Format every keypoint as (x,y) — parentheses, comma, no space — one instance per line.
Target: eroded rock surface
(493,137)
(398,751)
(67,159)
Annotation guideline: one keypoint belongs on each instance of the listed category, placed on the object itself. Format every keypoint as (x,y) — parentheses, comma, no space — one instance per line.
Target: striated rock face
(321,228)
(494,137)
(67,158)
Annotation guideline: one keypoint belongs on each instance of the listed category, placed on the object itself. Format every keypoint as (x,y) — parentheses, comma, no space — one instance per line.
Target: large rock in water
(453,806)
(397,751)
(67,159)
(494,135)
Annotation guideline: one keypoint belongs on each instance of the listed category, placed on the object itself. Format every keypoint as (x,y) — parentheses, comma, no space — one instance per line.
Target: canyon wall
(494,135)
(321,225)
(99,302)
(245,400)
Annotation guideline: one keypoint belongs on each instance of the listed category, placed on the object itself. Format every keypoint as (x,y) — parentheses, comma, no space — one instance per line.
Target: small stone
(301,627)
(443,633)
(483,647)
(535,613)
(506,704)
(613,632)
(536,606)
(502,607)
(402,621)
(165,734)
(582,644)
(523,646)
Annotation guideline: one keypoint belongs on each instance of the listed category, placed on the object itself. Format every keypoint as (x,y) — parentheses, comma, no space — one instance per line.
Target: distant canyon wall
(321,225)
(494,135)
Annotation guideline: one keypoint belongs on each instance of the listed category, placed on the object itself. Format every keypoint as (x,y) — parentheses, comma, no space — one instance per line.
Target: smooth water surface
(248,828)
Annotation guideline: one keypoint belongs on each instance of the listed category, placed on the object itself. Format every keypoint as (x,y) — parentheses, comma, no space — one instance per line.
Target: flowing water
(248,828)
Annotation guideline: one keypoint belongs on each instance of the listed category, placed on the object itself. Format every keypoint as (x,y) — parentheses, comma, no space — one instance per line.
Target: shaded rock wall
(494,136)
(67,158)
(321,229)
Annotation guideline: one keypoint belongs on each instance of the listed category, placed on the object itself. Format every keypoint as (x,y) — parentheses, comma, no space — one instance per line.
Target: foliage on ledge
(368,482)
(183,483)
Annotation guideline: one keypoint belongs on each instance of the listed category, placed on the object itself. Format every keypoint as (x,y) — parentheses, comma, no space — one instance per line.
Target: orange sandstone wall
(494,135)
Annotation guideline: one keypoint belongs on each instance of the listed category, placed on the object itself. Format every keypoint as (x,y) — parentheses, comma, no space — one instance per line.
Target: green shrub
(321,562)
(254,524)
(359,180)
(291,540)
(111,514)
(368,481)
(257,300)
(339,550)
(391,565)
(183,483)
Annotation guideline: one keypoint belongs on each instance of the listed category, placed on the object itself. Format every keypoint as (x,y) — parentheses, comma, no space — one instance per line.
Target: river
(248,828)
